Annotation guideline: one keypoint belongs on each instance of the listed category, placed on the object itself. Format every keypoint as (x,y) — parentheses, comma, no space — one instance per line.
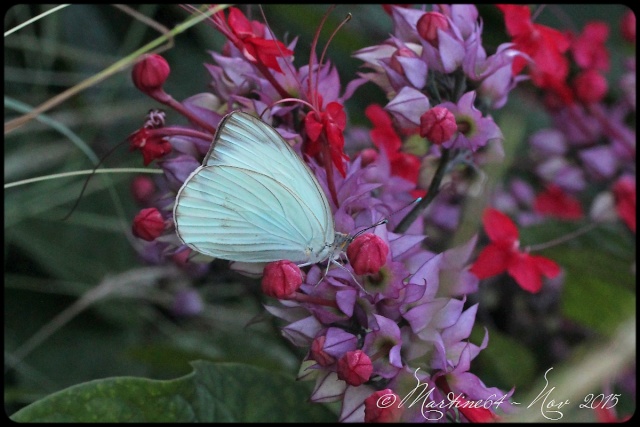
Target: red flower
(148,224)
(354,368)
(544,45)
(429,24)
(367,254)
(150,73)
(590,86)
(143,189)
(555,202)
(589,50)
(624,191)
(628,26)
(248,37)
(151,144)
(318,354)
(385,138)
(438,125)
(280,279)
(381,407)
(503,254)
(332,122)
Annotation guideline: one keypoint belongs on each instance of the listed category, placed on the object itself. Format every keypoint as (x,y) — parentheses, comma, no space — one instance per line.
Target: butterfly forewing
(253,200)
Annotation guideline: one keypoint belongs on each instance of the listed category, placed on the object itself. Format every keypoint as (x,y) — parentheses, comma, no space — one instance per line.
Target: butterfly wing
(253,199)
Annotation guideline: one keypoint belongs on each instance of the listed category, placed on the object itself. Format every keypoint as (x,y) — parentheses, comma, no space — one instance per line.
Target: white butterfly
(255,200)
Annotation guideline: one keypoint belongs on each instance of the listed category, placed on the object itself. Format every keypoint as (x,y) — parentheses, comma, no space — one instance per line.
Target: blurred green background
(80,304)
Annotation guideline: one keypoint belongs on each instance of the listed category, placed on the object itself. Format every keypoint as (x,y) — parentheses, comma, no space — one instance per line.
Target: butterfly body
(255,200)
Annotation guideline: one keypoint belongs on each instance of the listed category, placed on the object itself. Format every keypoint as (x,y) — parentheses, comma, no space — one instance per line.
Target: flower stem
(168,100)
(562,239)
(432,192)
(179,131)
(303,298)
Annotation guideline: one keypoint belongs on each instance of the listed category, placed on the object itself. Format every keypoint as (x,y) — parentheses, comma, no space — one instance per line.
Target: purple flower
(600,161)
(187,302)
(384,342)
(549,142)
(178,168)
(407,107)
(474,130)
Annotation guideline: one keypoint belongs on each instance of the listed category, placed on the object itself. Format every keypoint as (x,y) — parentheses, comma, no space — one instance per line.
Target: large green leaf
(505,363)
(597,291)
(212,393)
(599,283)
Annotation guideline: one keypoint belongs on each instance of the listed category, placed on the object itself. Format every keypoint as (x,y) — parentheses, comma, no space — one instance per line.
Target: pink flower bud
(383,406)
(318,354)
(368,156)
(438,125)
(355,367)
(150,73)
(628,26)
(367,254)
(403,53)
(429,24)
(148,224)
(624,191)
(280,279)
(590,86)
(143,189)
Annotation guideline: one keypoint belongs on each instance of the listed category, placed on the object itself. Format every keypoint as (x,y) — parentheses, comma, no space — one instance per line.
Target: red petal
(312,125)
(499,227)
(335,136)
(239,23)
(336,113)
(517,18)
(525,272)
(555,202)
(387,139)
(406,166)
(545,266)
(477,415)
(492,261)
(378,117)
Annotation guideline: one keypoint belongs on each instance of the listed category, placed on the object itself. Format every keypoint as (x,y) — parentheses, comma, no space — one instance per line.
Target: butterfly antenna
(86,181)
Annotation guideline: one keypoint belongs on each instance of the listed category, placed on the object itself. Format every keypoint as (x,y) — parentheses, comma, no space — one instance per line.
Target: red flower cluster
(332,122)
(503,254)
(555,202)
(385,138)
(248,37)
(545,46)
(151,144)
(547,49)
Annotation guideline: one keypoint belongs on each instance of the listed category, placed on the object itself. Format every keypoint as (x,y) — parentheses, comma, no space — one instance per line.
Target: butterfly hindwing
(253,199)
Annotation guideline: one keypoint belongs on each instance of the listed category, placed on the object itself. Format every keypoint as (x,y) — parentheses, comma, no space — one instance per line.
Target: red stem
(166,99)
(299,297)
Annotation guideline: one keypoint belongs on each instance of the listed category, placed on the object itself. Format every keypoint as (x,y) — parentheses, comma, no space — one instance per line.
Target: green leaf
(212,393)
(597,290)
(599,285)
(505,363)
